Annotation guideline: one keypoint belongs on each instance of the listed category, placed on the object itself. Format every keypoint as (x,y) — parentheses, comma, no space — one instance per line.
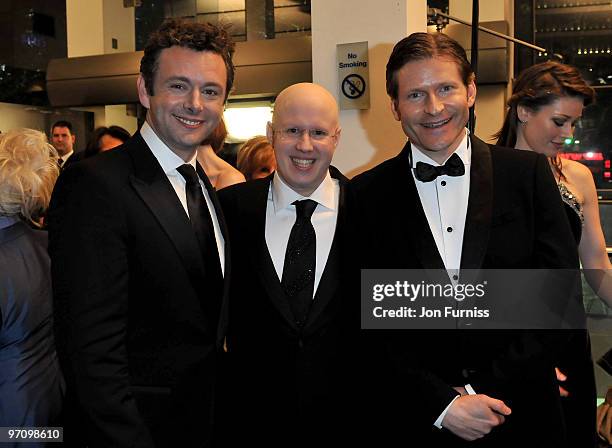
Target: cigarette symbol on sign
(353,86)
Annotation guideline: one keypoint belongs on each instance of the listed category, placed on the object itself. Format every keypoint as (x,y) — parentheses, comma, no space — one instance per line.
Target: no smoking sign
(353,75)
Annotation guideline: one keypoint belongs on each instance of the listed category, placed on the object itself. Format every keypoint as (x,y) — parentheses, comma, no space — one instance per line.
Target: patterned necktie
(201,221)
(453,167)
(300,261)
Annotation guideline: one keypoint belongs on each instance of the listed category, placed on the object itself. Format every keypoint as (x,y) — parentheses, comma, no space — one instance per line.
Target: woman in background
(105,138)
(547,100)
(31,385)
(256,158)
(220,173)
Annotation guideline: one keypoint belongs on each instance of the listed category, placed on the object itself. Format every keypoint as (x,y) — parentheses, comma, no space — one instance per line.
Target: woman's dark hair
(93,146)
(419,46)
(193,35)
(541,85)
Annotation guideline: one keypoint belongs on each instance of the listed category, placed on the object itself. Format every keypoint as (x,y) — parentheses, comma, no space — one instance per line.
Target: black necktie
(300,261)
(200,219)
(453,167)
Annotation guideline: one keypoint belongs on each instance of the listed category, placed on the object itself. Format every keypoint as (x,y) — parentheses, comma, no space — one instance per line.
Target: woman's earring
(523,122)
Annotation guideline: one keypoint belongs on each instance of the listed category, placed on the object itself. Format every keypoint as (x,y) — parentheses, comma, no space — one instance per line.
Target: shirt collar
(463,151)
(7,221)
(283,196)
(66,156)
(168,160)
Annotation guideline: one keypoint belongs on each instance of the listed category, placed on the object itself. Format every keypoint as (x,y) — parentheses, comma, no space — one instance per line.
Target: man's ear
(270,133)
(73,138)
(471,92)
(337,139)
(395,110)
(143,95)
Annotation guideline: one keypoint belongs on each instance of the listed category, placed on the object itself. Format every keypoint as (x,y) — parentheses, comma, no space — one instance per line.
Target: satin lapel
(212,194)
(328,285)
(255,208)
(480,206)
(154,188)
(417,226)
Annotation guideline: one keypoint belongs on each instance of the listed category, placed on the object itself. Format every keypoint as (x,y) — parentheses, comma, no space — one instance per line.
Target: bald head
(304,133)
(306,95)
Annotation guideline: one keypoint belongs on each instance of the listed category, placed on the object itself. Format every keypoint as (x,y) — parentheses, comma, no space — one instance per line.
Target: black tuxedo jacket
(515,219)
(285,381)
(137,324)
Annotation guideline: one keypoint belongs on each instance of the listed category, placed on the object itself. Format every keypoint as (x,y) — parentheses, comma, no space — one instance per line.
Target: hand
(472,417)
(561,377)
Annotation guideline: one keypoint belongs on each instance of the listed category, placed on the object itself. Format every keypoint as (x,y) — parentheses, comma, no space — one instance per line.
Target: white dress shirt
(169,162)
(445,201)
(280,217)
(66,157)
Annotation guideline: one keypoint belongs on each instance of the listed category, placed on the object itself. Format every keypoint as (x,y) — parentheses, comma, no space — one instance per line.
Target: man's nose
(433,105)
(304,142)
(194,103)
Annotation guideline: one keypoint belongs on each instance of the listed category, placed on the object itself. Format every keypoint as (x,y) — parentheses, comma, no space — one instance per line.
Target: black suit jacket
(515,219)
(285,381)
(137,322)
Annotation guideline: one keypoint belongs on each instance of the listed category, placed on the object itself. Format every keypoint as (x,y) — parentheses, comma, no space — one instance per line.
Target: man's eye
(210,92)
(292,131)
(318,133)
(447,88)
(414,95)
(177,86)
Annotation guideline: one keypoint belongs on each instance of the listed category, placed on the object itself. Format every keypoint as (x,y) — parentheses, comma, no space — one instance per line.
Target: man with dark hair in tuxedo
(63,139)
(140,260)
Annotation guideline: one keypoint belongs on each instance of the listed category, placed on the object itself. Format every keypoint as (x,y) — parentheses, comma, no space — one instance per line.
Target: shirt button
(449,229)
(443,183)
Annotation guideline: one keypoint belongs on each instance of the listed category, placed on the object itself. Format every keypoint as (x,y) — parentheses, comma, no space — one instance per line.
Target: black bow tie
(453,167)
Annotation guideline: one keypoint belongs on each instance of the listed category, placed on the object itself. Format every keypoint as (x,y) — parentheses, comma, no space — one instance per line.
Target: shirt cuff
(438,422)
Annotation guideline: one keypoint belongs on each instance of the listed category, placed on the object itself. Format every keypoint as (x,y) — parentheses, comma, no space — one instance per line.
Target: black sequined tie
(300,261)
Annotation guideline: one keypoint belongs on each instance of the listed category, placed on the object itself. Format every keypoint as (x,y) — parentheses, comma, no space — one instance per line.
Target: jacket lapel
(480,206)
(154,188)
(224,312)
(330,279)
(412,219)
(255,206)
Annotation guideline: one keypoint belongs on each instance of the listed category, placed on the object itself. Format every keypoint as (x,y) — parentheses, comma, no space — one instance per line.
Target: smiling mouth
(302,163)
(435,124)
(190,123)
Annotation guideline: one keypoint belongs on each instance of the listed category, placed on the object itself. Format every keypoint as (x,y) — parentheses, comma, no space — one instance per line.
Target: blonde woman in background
(31,385)
(256,158)
(220,173)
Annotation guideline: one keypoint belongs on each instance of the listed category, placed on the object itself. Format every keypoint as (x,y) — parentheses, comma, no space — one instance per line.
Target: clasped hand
(472,417)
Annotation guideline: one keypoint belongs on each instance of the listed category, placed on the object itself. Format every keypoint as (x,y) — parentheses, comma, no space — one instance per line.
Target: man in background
(62,139)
